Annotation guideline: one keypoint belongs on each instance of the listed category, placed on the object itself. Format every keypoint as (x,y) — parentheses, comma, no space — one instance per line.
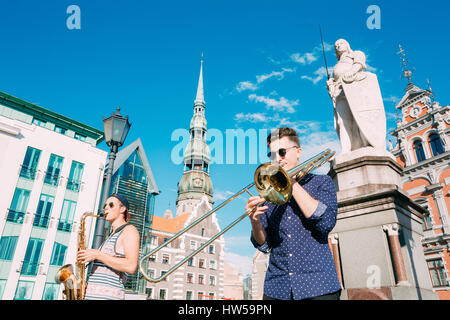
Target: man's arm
(322,210)
(258,236)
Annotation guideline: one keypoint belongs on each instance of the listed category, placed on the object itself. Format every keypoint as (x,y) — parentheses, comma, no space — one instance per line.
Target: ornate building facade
(202,277)
(423,150)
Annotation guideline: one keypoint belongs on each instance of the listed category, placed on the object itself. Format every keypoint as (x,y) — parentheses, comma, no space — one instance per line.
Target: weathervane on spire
(430,90)
(406,72)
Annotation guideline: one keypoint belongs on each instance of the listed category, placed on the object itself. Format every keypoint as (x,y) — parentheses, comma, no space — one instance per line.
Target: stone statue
(359,116)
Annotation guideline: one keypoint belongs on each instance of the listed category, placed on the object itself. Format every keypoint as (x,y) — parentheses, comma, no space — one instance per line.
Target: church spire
(200,98)
(195,182)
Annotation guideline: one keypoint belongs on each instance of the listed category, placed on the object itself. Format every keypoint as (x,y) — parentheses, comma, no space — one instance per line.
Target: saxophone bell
(72,278)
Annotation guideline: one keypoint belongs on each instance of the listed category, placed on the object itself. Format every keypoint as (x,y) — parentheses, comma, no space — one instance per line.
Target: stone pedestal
(378,231)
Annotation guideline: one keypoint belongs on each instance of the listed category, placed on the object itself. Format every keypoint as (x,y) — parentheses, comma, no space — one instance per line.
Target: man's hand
(251,204)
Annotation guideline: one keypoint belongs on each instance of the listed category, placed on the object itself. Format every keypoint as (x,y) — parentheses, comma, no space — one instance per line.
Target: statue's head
(341,46)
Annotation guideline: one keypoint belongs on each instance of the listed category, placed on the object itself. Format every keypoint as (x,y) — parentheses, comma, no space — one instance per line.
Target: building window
(188,295)
(427,221)
(79,137)
(53,170)
(162,294)
(133,168)
(7,247)
(201,279)
(212,296)
(212,249)
(203,232)
(58,254)
(30,264)
(418,149)
(51,291)
(60,130)
(2,287)
(154,240)
(212,264)
(76,173)
(165,258)
(30,163)
(43,211)
(190,262)
(190,278)
(67,215)
(435,144)
(162,274)
(201,263)
(152,258)
(212,280)
(437,272)
(201,295)
(193,245)
(24,290)
(19,206)
(149,292)
(39,122)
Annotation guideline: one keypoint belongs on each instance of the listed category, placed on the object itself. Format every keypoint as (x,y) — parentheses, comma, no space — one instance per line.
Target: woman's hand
(88,255)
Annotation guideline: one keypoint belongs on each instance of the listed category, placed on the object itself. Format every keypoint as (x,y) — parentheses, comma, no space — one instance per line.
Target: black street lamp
(116,129)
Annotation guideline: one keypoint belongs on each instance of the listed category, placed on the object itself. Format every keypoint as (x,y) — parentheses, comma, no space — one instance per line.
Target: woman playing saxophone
(116,258)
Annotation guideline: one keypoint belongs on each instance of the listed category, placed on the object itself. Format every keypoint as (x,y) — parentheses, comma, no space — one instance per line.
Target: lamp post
(116,129)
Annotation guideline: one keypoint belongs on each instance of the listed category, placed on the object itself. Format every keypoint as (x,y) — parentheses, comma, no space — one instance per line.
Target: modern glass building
(133,178)
(51,171)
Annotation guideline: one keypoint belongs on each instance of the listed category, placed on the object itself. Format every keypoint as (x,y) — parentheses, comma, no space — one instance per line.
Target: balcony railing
(41,221)
(74,185)
(29,268)
(51,179)
(65,226)
(27,172)
(15,216)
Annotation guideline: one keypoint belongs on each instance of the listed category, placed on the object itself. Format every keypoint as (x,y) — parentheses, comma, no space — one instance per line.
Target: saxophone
(74,280)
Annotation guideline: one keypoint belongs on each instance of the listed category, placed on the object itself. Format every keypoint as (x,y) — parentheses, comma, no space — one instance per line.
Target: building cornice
(35,110)
(443,158)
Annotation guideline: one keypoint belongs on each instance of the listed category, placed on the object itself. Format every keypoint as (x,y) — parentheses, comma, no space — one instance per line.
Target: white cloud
(243,264)
(282,104)
(251,117)
(310,57)
(306,58)
(246,85)
(319,75)
(370,68)
(278,74)
(222,195)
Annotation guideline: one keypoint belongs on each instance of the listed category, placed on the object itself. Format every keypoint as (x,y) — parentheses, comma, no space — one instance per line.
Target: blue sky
(262,69)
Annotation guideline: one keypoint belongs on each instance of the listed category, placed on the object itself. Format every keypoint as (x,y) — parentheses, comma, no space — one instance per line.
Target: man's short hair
(283,132)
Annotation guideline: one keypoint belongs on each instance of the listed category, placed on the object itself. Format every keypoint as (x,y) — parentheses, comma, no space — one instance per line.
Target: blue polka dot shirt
(300,261)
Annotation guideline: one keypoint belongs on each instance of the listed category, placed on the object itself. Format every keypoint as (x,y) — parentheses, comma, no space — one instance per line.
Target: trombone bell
(273,183)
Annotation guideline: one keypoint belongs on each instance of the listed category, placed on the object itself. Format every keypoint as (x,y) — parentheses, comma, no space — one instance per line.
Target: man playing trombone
(296,234)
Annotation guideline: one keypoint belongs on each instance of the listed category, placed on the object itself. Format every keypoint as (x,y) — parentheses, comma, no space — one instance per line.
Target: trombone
(271,181)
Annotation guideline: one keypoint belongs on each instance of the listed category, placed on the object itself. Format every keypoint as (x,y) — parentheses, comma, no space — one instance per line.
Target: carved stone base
(388,293)
(378,232)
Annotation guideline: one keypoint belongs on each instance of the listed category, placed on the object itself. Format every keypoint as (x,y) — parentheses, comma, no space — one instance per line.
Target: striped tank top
(104,282)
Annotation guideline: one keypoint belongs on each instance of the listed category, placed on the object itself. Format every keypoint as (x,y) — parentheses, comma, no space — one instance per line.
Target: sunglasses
(111,205)
(282,152)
